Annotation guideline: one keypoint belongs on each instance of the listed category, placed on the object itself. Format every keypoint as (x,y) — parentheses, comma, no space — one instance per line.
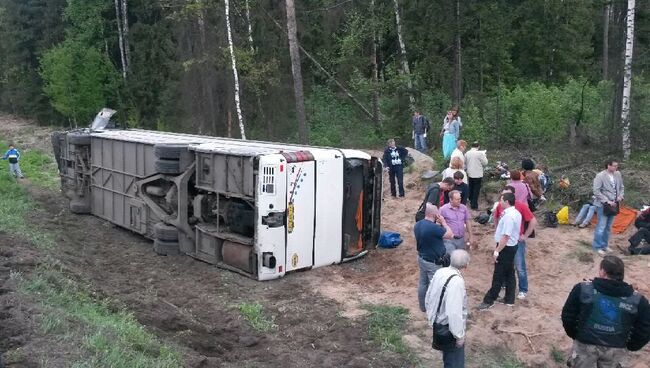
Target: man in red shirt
(528,224)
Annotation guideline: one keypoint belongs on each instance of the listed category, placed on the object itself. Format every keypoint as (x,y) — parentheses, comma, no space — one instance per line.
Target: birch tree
(120,36)
(233,59)
(606,11)
(294,51)
(125,25)
(627,79)
(458,76)
(405,64)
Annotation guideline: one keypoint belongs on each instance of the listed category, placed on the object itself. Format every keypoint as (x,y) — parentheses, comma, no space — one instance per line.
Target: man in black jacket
(394,159)
(605,317)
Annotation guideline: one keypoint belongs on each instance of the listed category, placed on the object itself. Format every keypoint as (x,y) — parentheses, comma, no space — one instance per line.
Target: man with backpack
(13,155)
(435,195)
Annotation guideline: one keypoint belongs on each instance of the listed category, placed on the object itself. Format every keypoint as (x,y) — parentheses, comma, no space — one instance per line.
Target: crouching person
(446,304)
(605,317)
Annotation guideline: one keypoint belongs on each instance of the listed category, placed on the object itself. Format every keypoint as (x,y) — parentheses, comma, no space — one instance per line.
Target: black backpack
(419,215)
(550,219)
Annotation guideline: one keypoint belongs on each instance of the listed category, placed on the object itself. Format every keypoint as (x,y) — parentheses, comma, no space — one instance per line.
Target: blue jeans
(454,358)
(603,228)
(585,215)
(520,265)
(427,269)
(420,143)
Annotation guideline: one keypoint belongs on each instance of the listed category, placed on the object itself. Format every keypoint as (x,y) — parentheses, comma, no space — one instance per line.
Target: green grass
(495,357)
(557,355)
(253,314)
(386,326)
(110,336)
(15,204)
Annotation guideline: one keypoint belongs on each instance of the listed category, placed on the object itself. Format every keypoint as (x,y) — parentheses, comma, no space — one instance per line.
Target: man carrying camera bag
(608,193)
(446,304)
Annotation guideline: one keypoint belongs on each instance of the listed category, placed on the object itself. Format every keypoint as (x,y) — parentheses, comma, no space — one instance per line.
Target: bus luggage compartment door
(301,185)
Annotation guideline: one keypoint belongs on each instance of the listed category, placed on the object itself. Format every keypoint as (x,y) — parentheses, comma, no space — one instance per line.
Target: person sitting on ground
(604,317)
(460,186)
(456,165)
(643,220)
(584,216)
(643,234)
(521,188)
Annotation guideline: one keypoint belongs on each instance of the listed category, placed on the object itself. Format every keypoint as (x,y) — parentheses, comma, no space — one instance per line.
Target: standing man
(475,160)
(507,237)
(429,235)
(528,225)
(394,158)
(457,217)
(421,125)
(604,317)
(436,191)
(453,307)
(608,191)
(13,155)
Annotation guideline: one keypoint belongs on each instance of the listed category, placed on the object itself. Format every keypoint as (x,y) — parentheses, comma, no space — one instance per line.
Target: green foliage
(112,338)
(253,313)
(557,355)
(386,326)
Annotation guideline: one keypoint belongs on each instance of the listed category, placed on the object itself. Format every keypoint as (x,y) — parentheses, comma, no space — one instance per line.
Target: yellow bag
(563,216)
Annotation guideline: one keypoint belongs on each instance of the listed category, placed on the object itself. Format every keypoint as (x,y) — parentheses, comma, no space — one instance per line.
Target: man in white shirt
(474,162)
(453,306)
(506,236)
(459,152)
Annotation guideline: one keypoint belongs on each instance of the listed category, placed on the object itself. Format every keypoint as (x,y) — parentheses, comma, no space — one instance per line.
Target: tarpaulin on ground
(622,221)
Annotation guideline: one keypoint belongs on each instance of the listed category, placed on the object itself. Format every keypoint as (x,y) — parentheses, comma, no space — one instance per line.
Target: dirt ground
(192,305)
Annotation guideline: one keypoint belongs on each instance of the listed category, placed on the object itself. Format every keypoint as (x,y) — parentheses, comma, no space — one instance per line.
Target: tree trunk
(627,80)
(258,97)
(375,70)
(405,64)
(120,35)
(125,20)
(292,33)
(457,65)
(233,59)
(606,12)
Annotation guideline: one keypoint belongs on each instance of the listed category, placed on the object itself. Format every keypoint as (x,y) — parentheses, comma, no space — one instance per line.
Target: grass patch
(495,357)
(111,336)
(386,326)
(557,355)
(15,204)
(253,314)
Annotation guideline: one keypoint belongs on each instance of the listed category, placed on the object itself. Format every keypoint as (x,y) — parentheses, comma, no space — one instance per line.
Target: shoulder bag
(442,337)
(419,215)
(611,210)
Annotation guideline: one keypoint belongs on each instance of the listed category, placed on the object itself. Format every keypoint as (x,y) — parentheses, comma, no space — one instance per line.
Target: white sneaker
(521,295)
(609,250)
(601,252)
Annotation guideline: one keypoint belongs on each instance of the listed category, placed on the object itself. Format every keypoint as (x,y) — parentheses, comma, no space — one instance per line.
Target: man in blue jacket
(605,317)
(13,155)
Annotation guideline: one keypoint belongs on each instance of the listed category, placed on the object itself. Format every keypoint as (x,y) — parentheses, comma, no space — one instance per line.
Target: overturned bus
(260,209)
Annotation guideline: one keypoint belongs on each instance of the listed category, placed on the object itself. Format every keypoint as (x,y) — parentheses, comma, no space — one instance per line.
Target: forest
(524,73)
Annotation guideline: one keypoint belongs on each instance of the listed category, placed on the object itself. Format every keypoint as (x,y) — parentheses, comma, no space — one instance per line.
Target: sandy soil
(193,305)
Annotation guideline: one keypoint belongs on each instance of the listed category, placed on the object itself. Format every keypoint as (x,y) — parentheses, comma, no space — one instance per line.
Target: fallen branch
(527,335)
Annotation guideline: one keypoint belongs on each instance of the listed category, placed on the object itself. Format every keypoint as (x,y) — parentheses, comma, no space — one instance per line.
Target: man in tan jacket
(474,162)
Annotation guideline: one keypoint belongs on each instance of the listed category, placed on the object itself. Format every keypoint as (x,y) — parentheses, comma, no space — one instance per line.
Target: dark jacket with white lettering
(608,313)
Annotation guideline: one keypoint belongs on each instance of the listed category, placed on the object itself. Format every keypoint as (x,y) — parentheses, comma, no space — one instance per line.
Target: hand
(523,238)
(442,220)
(460,343)
(619,199)
(496,256)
